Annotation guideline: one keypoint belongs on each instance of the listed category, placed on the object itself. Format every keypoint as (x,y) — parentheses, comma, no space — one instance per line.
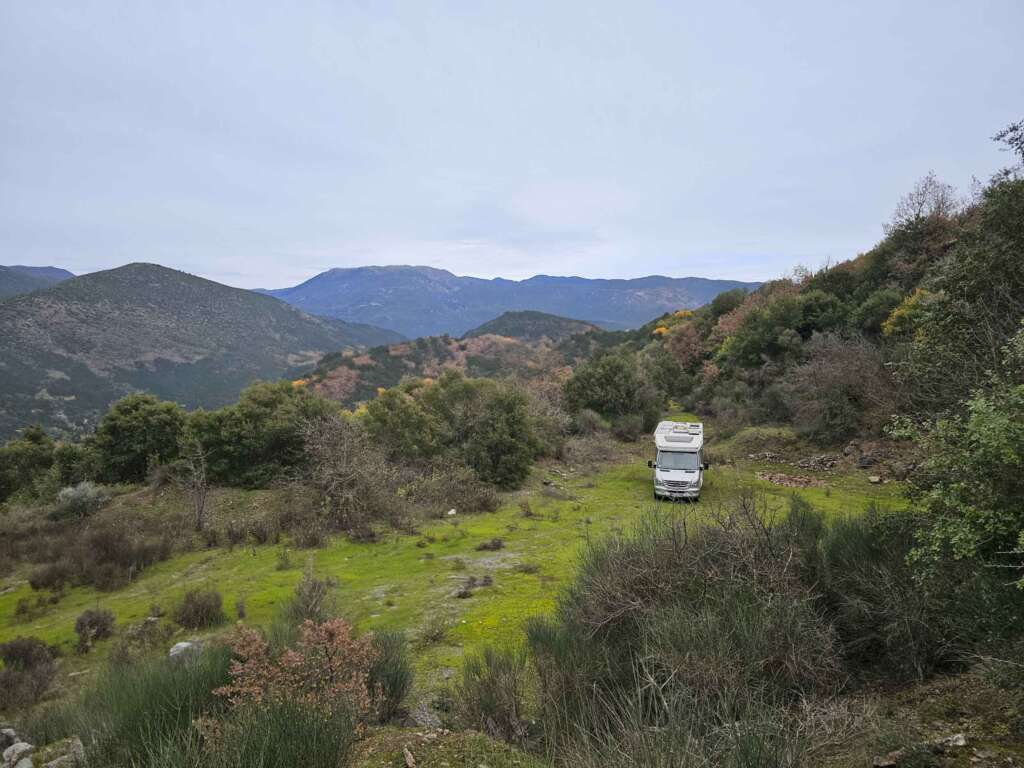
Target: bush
(587,422)
(390,676)
(79,501)
(828,403)
(25,461)
(628,428)
(312,599)
(490,695)
(327,669)
(26,675)
(354,478)
(451,485)
(501,446)
(137,713)
(278,733)
(92,625)
(200,609)
(137,432)
(682,633)
(611,385)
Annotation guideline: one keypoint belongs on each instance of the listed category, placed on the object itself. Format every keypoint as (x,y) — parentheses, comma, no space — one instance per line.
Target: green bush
(280,733)
(501,447)
(79,501)
(137,432)
(24,461)
(491,694)
(260,438)
(611,385)
(135,712)
(200,609)
(391,676)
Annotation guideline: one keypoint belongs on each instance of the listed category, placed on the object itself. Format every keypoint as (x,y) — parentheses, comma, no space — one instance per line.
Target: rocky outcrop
(19,753)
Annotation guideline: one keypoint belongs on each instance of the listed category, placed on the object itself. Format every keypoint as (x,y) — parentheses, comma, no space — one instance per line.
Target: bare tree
(930,198)
(191,475)
(356,481)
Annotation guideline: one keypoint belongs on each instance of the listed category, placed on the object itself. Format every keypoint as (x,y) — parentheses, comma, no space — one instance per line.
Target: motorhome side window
(678,460)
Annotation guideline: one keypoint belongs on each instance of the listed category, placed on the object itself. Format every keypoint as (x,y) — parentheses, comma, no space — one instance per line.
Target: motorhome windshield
(677,460)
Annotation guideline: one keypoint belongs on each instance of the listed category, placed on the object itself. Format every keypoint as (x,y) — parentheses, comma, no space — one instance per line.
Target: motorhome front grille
(677,484)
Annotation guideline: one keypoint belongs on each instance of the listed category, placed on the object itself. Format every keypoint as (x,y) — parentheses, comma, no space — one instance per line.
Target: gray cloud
(257,144)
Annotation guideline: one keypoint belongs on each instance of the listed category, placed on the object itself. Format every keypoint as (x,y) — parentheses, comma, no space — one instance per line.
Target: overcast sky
(259,143)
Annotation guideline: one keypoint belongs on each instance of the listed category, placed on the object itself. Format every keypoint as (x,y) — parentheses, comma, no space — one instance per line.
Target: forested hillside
(69,351)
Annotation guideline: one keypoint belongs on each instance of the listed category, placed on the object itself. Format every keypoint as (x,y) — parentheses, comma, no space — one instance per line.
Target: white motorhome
(679,466)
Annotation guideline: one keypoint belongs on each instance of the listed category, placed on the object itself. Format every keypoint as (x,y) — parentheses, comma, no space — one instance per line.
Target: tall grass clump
(680,646)
(390,676)
(491,694)
(139,709)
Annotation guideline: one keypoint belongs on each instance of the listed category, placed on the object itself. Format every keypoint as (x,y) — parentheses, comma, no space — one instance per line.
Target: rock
(184,650)
(25,762)
(410,761)
(851,448)
(955,740)
(887,761)
(7,738)
(874,479)
(66,753)
(424,717)
(865,461)
(451,512)
(17,751)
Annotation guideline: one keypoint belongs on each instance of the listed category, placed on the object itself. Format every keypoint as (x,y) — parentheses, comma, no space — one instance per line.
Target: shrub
(137,711)
(491,545)
(200,609)
(451,484)
(327,669)
(628,428)
(587,422)
(612,385)
(501,446)
(490,695)
(138,431)
(312,599)
(355,480)
(91,625)
(79,501)
(390,676)
(827,402)
(277,733)
(26,675)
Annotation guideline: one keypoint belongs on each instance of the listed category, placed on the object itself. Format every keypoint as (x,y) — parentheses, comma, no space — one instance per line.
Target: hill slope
(16,280)
(68,351)
(529,325)
(422,301)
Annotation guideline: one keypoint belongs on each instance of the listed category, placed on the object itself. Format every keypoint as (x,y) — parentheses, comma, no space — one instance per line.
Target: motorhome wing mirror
(650,464)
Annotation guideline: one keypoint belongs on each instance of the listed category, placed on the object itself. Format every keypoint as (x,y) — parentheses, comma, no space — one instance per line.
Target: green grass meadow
(409,581)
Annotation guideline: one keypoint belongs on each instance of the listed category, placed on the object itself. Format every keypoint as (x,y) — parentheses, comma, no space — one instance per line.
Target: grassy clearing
(410,581)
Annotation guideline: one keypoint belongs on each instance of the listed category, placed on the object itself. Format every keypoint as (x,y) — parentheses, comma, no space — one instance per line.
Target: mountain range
(68,351)
(423,301)
(16,280)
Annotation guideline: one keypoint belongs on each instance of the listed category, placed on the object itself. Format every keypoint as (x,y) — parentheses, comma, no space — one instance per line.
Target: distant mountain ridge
(424,301)
(18,279)
(67,351)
